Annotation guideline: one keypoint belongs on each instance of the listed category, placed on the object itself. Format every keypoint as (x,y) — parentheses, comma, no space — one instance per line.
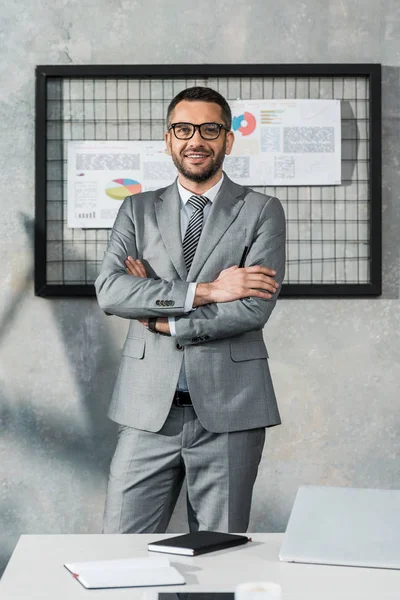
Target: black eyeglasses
(208,131)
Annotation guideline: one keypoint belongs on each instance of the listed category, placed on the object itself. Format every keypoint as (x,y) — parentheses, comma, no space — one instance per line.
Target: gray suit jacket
(225,356)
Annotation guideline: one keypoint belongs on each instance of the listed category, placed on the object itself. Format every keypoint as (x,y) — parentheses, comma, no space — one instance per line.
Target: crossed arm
(232,284)
(239,299)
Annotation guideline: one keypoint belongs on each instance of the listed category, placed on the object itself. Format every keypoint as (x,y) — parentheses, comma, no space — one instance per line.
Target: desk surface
(36,570)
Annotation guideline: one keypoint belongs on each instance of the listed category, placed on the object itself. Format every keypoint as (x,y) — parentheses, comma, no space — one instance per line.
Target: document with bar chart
(285,142)
(102,173)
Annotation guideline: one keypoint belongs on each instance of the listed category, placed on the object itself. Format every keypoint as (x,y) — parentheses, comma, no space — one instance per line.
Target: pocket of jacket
(134,348)
(241,351)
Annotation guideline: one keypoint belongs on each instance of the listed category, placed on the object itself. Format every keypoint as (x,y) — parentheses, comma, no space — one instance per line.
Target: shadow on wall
(56,443)
(390,174)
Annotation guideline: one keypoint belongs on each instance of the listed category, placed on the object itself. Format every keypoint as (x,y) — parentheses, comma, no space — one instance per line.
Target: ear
(230,138)
(167,137)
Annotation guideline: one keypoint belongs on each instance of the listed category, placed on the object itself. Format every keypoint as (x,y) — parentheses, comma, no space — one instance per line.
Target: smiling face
(199,162)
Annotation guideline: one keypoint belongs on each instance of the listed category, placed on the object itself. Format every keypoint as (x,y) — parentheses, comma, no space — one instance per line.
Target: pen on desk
(244,255)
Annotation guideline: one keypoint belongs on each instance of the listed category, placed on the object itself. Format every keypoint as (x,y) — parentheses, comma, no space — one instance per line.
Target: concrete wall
(335,362)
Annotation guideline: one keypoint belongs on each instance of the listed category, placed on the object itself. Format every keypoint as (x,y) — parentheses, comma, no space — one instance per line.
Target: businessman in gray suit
(194,393)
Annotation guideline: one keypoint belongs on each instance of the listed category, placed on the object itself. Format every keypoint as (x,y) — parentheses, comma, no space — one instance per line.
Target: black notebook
(198,542)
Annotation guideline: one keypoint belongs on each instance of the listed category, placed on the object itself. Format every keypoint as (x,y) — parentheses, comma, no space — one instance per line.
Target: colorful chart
(271,117)
(118,189)
(245,123)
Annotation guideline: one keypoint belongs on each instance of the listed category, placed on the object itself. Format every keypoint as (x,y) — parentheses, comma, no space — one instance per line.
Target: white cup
(258,590)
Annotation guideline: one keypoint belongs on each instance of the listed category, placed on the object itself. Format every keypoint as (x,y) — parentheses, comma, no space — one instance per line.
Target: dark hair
(202,94)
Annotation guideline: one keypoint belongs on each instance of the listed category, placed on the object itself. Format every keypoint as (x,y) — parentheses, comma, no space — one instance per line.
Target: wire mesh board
(333,232)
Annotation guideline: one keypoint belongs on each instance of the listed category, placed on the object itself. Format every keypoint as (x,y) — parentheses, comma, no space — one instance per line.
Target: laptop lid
(344,526)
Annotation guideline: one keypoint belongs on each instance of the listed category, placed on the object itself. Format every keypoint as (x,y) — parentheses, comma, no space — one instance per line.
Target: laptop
(344,526)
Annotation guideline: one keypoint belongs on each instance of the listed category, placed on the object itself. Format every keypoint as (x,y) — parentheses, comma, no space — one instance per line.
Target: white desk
(36,571)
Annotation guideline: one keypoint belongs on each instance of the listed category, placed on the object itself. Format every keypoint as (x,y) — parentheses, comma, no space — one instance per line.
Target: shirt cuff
(188,306)
(172,329)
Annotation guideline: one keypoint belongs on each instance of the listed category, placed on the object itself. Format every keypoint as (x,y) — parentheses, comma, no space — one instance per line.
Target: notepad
(198,542)
(131,572)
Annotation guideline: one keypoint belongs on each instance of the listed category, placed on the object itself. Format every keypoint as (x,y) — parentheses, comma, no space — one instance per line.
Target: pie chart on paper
(245,123)
(118,189)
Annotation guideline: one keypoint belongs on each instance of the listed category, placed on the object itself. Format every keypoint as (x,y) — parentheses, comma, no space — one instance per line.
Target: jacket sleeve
(124,295)
(228,319)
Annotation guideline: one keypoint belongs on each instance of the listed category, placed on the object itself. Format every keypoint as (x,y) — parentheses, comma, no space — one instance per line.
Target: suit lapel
(167,209)
(224,211)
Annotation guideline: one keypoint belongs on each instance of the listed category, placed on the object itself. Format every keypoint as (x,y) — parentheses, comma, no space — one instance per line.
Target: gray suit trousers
(148,469)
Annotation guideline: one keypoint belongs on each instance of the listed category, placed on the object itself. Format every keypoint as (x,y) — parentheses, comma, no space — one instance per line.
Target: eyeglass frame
(220,125)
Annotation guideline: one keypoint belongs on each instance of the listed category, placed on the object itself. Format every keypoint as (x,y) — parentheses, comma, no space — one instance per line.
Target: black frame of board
(370,71)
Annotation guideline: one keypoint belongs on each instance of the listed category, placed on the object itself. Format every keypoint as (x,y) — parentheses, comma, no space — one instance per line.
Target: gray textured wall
(335,362)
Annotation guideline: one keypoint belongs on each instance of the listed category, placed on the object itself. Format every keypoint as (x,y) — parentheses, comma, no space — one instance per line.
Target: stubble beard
(200,176)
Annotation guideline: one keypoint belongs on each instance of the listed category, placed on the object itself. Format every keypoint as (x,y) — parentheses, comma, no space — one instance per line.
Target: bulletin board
(333,232)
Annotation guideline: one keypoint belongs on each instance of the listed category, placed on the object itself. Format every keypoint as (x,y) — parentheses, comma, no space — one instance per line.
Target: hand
(162,325)
(135,267)
(236,283)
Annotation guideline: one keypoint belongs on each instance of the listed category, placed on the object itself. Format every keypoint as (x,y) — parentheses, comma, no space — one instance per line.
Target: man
(194,393)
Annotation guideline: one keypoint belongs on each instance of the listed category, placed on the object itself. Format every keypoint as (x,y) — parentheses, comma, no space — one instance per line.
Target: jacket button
(179,347)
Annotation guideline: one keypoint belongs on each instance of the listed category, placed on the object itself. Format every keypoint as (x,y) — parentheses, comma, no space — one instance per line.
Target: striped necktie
(193,231)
